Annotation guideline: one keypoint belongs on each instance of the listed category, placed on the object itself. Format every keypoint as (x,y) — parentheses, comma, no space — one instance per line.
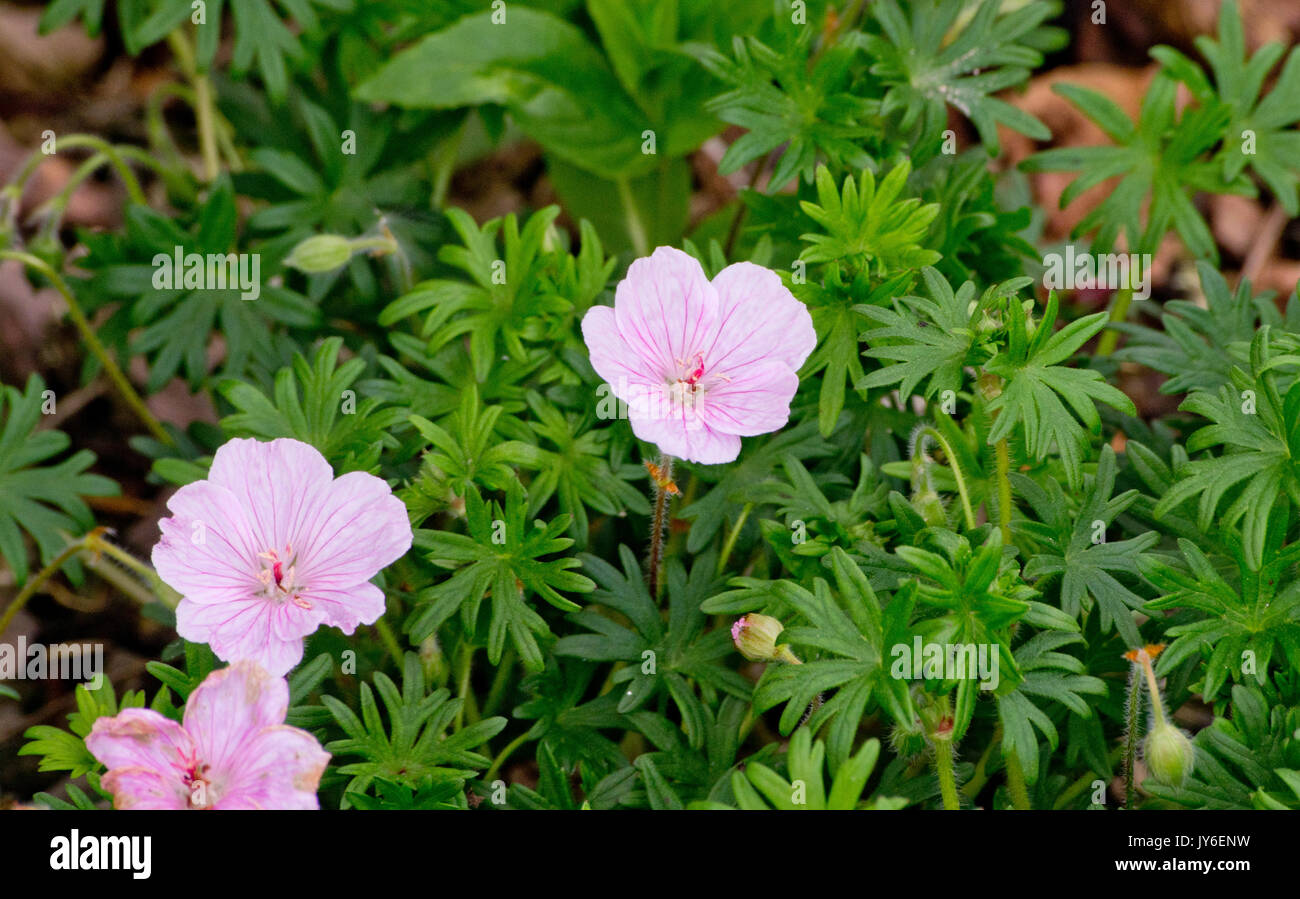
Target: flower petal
(759,319)
(756,402)
(666,309)
(279,485)
(355,531)
(208,550)
(140,788)
(617,362)
(347,607)
(261,630)
(141,738)
(688,437)
(277,768)
(230,708)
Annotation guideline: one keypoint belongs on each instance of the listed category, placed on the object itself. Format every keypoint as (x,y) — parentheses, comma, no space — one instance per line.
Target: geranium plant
(749,449)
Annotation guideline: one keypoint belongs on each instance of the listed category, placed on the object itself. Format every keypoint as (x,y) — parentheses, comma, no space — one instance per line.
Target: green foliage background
(950,470)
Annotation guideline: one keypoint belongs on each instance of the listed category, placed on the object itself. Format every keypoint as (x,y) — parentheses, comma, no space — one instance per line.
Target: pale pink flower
(271,546)
(233,750)
(700,364)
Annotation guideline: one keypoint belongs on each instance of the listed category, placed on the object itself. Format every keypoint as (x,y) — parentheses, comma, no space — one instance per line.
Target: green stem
(734,231)
(659,523)
(389,639)
(124,388)
(499,683)
(1118,312)
(30,588)
(53,209)
(966,509)
(113,155)
(1084,782)
(1131,736)
(632,218)
(464,667)
(1004,489)
(1016,781)
(165,594)
(160,136)
(204,104)
(375,242)
(443,161)
(943,767)
(205,107)
(505,754)
(731,538)
(1157,705)
(472,715)
(972,787)
(123,581)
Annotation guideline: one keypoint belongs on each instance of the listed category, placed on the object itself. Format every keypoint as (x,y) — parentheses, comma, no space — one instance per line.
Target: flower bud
(320,253)
(755,636)
(1169,754)
(908,742)
(930,507)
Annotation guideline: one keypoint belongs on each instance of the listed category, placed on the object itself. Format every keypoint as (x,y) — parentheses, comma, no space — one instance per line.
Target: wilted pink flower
(233,750)
(271,546)
(700,364)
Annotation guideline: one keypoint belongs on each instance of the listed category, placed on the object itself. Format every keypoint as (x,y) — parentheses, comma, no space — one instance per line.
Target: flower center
(199,784)
(279,577)
(686,387)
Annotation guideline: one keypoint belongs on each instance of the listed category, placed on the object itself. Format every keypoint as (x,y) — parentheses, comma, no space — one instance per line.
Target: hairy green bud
(755,637)
(320,253)
(1169,754)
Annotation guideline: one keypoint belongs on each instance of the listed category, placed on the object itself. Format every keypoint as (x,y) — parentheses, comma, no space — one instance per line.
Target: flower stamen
(280,576)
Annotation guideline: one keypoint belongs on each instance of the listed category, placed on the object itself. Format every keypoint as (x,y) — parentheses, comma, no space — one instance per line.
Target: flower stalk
(1016,787)
(662,476)
(943,767)
(124,388)
(930,433)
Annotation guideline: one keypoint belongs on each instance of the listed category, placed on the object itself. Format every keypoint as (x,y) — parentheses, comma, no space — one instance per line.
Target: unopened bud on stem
(1169,754)
(755,637)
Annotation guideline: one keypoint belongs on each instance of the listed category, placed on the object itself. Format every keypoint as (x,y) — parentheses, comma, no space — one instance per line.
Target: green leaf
(1161,162)
(1261,437)
(327,413)
(1071,551)
(869,226)
(1038,388)
(943,53)
(1198,345)
(555,83)
(502,556)
(804,113)
(43,500)
(933,340)
(412,748)
(1261,133)
(662,657)
(61,750)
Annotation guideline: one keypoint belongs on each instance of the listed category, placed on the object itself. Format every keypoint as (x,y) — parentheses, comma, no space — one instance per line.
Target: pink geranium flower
(700,364)
(271,546)
(233,750)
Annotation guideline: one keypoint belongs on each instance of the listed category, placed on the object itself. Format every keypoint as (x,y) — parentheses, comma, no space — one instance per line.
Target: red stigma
(698,373)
